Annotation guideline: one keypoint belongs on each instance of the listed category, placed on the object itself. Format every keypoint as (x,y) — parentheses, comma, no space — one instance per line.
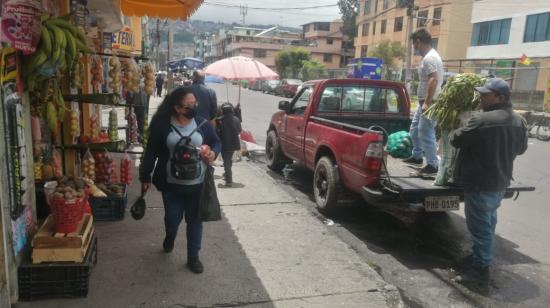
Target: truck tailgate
(399,185)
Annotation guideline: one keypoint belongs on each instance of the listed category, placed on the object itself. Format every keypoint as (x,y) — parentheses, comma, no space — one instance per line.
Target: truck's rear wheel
(276,160)
(326,185)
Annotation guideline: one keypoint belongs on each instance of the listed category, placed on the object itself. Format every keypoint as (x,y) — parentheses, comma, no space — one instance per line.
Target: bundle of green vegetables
(458,95)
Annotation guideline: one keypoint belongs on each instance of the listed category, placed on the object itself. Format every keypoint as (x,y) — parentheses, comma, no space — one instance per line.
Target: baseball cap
(497,86)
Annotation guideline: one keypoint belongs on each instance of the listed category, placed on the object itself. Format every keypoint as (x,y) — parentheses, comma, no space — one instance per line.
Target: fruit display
(76,74)
(74,125)
(113,125)
(56,163)
(59,48)
(88,166)
(131,77)
(94,127)
(132,127)
(97,73)
(149,75)
(114,175)
(47,172)
(94,191)
(37,171)
(103,167)
(114,74)
(70,188)
(112,190)
(126,170)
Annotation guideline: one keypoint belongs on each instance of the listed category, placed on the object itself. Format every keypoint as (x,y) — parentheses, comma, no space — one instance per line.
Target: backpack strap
(188,136)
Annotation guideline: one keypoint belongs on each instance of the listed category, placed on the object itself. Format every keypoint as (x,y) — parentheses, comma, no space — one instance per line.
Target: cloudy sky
(228,11)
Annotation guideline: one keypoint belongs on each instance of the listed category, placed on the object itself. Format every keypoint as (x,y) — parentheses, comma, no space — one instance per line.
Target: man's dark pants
(227,157)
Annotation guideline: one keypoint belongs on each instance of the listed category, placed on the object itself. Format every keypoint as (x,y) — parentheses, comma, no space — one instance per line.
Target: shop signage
(123,39)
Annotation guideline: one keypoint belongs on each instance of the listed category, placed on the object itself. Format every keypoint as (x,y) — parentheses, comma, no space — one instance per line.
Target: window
(392,101)
(537,28)
(373,27)
(491,32)
(383,26)
(366,9)
(435,41)
(422,19)
(385,4)
(302,100)
(364,50)
(375,6)
(365,30)
(329,41)
(353,99)
(398,24)
(374,100)
(321,26)
(305,28)
(437,16)
(327,58)
(260,53)
(330,100)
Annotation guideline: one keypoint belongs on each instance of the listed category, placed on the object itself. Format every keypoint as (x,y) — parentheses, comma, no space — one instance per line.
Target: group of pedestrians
(487,147)
(186,135)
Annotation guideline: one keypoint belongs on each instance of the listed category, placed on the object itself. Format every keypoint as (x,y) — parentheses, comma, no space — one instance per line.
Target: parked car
(337,128)
(288,87)
(256,85)
(270,86)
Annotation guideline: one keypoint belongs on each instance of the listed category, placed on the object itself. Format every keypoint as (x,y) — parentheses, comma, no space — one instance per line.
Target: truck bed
(399,185)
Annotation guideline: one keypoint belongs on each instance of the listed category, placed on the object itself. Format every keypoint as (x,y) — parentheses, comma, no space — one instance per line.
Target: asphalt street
(413,250)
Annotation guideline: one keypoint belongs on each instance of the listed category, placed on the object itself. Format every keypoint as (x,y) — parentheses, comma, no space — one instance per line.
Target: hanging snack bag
(126,169)
(88,166)
(113,125)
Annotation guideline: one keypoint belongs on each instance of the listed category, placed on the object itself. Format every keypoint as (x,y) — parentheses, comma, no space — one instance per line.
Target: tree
(348,10)
(289,62)
(313,70)
(389,52)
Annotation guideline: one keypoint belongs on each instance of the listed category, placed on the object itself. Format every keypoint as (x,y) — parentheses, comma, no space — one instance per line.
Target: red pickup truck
(338,128)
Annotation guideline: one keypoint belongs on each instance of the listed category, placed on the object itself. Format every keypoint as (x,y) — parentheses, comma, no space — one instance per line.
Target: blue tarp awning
(213,79)
(185,64)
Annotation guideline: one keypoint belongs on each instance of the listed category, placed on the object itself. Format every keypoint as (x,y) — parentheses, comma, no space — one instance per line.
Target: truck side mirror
(284,106)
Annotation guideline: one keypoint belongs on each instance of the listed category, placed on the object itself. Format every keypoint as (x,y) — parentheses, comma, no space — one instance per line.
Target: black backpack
(185,163)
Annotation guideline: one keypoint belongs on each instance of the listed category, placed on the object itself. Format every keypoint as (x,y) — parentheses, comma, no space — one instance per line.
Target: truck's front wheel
(276,160)
(326,185)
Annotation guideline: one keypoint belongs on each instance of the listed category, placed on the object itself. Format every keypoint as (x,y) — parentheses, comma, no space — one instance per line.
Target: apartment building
(323,39)
(447,20)
(505,30)
(326,42)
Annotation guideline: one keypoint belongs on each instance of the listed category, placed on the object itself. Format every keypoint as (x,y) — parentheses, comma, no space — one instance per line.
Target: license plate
(443,203)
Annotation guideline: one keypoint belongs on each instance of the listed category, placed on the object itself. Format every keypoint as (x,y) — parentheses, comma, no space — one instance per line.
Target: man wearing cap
(487,145)
(206,97)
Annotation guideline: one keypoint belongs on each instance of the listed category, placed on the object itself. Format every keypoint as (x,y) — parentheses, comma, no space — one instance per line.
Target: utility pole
(169,57)
(410,16)
(244,11)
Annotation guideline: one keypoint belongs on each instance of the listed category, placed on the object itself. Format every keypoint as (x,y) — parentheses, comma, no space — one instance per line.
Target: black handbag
(138,208)
(209,205)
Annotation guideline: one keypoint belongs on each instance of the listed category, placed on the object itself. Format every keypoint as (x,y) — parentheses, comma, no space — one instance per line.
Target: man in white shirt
(430,72)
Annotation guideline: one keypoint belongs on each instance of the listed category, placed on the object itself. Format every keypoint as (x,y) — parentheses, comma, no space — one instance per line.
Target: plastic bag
(88,166)
(21,24)
(400,144)
(126,169)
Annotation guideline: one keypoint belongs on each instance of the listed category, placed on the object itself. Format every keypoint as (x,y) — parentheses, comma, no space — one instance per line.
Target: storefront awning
(173,9)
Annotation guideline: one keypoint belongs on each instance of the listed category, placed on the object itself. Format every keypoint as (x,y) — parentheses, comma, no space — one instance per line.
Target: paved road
(412,250)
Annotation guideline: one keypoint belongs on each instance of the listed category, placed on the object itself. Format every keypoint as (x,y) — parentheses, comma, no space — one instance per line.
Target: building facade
(323,39)
(502,33)
(447,20)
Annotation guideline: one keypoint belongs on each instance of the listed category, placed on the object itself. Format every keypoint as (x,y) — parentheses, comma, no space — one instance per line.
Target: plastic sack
(21,24)
(88,166)
(126,169)
(400,144)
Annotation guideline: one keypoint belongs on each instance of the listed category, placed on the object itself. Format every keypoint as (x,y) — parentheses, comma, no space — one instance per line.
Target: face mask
(190,112)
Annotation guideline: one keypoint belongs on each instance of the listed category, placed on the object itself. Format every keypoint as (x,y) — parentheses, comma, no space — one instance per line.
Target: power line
(227,5)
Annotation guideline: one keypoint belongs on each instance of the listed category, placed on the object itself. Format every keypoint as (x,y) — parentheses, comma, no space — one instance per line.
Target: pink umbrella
(238,68)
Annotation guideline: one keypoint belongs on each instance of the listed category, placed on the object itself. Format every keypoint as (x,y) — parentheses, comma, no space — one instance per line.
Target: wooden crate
(51,246)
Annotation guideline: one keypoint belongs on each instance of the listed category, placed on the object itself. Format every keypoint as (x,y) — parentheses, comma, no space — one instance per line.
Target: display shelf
(110,99)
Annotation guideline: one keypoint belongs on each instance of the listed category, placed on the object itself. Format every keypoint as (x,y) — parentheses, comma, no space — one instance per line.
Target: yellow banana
(46,41)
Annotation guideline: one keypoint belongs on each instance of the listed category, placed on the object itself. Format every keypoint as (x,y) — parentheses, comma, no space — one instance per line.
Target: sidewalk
(268,251)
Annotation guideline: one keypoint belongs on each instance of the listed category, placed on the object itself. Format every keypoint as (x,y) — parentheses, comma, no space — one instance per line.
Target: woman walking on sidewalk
(178,167)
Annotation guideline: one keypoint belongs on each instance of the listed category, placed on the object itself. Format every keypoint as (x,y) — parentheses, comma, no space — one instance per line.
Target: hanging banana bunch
(60,45)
